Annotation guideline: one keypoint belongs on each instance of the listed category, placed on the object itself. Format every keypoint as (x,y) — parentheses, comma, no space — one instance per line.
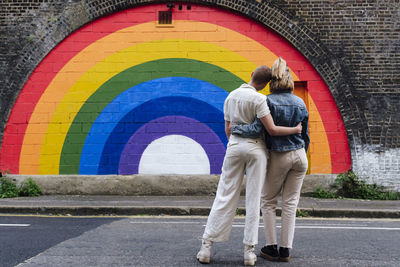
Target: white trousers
(242,154)
(285,173)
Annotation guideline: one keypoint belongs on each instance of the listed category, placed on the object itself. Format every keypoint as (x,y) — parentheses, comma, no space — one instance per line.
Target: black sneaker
(284,254)
(270,253)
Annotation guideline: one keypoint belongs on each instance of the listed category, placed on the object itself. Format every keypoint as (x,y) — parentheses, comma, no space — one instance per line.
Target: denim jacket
(286,110)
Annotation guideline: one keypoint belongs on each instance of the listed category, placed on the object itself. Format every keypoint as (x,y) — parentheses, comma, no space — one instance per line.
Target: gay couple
(274,161)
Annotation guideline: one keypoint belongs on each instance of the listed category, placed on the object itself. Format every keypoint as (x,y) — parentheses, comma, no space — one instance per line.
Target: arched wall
(53,127)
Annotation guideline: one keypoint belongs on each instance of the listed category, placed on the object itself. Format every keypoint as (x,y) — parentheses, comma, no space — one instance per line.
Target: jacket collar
(282,92)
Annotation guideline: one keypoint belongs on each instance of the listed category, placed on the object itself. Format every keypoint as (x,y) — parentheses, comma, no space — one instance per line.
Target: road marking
(344,227)
(347,227)
(14,225)
(325,225)
(190,217)
(166,222)
(332,227)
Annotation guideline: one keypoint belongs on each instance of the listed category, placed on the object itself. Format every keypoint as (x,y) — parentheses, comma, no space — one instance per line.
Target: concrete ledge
(186,211)
(129,185)
(311,181)
(135,185)
(92,211)
(356,213)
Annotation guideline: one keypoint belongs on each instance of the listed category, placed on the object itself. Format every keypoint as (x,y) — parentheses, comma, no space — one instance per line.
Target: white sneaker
(204,254)
(249,257)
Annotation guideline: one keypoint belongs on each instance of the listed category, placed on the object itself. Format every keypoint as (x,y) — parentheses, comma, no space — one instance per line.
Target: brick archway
(266,14)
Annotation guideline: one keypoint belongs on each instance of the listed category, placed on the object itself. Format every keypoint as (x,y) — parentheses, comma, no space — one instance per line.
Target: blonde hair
(281,78)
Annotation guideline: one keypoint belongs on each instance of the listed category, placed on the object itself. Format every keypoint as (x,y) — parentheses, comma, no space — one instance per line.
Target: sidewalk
(83,205)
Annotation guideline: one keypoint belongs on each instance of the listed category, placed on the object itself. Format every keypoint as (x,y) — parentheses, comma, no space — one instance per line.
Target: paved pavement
(184,205)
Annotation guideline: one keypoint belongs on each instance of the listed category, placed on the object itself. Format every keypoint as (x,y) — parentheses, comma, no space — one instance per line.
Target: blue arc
(115,113)
(138,117)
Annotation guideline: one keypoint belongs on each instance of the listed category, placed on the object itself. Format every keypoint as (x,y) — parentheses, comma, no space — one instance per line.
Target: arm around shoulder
(253,130)
(274,130)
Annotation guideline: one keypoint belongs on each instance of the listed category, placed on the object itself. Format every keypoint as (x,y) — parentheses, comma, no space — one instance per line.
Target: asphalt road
(22,237)
(174,241)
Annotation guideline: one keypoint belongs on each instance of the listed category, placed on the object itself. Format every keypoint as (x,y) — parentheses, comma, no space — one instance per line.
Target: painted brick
(358,62)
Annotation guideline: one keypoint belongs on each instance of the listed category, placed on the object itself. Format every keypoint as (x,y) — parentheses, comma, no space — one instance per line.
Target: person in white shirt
(248,155)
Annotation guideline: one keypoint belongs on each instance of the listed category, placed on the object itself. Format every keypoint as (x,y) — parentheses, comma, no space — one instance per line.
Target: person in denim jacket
(242,106)
(287,163)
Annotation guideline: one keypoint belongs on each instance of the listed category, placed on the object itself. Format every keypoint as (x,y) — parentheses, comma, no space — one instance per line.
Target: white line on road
(344,227)
(14,225)
(348,227)
(333,227)
(335,224)
(155,222)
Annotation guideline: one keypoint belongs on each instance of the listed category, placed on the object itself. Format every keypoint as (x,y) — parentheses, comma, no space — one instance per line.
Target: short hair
(262,74)
(281,78)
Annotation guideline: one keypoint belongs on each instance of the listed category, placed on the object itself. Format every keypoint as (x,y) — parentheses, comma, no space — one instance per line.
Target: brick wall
(29,29)
(364,37)
(353,44)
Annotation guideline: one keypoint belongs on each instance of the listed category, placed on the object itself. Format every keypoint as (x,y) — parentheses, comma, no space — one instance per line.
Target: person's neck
(254,85)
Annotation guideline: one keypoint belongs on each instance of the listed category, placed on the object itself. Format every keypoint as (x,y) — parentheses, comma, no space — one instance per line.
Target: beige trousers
(285,173)
(242,154)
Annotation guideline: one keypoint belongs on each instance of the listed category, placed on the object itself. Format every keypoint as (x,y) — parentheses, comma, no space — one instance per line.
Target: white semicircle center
(174,154)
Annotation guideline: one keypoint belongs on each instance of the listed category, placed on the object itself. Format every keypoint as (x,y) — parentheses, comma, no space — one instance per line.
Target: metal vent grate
(164,17)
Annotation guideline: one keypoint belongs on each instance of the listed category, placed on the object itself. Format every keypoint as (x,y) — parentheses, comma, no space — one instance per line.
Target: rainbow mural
(123,95)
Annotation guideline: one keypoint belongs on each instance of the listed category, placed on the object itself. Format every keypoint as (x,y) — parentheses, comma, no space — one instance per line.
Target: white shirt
(243,105)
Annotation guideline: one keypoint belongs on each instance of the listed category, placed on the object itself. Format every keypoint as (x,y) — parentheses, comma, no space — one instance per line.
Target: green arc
(172,67)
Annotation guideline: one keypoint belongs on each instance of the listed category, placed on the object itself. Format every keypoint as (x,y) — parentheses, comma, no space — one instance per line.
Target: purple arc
(171,125)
